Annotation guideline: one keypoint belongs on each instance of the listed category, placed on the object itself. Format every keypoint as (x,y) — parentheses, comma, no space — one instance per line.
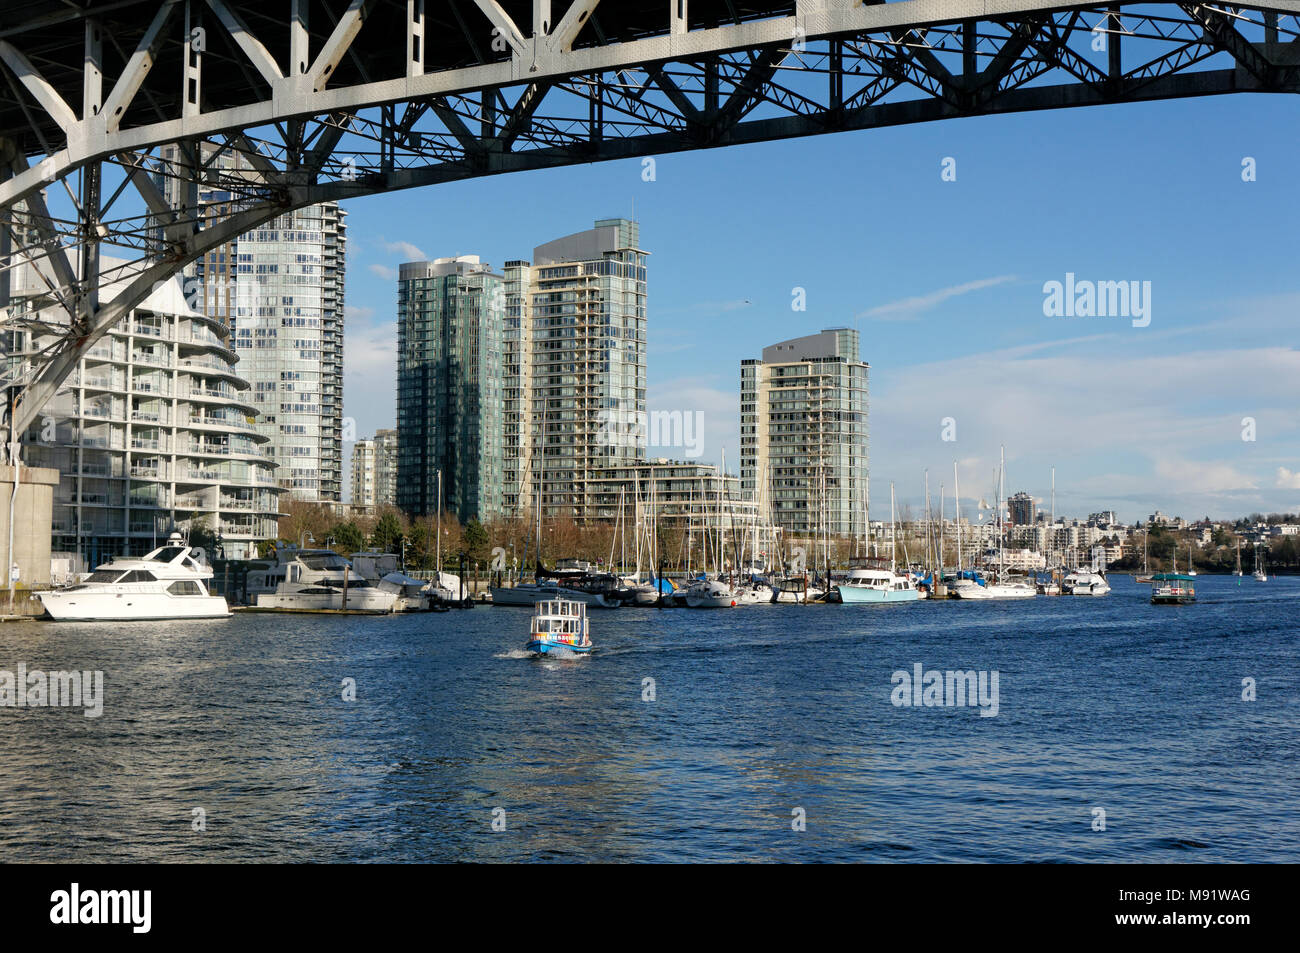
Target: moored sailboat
(1260,574)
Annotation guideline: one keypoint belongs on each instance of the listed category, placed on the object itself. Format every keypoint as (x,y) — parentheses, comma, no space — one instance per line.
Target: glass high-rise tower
(279,289)
(450,315)
(288,324)
(576,366)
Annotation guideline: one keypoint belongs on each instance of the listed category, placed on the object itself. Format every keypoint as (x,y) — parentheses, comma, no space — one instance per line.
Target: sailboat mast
(893,532)
(1002,493)
(613,537)
(942,530)
(1052,546)
(956,489)
(928,555)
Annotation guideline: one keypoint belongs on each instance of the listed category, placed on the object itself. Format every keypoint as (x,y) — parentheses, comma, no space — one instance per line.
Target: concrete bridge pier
(33,513)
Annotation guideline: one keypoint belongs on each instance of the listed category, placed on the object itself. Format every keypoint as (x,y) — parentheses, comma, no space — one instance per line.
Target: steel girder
(355,109)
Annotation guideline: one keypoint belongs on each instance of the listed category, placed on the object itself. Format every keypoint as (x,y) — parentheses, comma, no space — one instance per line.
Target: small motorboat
(1085,582)
(795,588)
(559,626)
(710,594)
(754,592)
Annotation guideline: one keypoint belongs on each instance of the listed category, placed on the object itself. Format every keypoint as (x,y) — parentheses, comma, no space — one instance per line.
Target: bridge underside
(114,122)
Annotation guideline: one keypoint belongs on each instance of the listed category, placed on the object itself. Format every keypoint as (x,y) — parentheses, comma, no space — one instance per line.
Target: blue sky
(945,282)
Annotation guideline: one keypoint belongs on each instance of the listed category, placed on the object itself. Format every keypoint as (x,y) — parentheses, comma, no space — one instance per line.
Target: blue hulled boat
(559,625)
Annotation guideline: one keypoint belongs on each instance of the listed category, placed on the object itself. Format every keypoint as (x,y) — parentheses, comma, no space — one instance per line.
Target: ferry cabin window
(185,587)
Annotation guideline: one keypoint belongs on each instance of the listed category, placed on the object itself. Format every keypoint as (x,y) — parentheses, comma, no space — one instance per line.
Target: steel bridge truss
(125,167)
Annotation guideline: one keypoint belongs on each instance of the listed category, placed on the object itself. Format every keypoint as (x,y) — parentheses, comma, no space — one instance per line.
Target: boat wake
(564,655)
(514,653)
(555,654)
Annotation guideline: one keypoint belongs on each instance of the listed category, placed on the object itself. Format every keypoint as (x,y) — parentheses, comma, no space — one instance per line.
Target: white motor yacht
(1085,582)
(170,582)
(382,570)
(312,580)
(1011,589)
(710,594)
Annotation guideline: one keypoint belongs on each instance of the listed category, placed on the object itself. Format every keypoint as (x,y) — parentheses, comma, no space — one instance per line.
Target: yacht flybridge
(170,582)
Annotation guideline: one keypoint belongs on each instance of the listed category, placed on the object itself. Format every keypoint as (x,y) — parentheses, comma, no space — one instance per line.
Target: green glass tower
(450,316)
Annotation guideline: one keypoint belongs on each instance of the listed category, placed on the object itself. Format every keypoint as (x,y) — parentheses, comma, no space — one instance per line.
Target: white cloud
(369,376)
(408,251)
(907,309)
(1202,477)
(721,416)
(1287,479)
(383,271)
(1127,427)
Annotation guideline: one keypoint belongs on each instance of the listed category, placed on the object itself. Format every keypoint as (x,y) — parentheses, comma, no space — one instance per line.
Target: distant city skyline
(944,281)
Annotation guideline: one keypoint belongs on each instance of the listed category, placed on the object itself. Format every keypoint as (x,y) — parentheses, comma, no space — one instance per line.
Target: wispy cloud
(705,308)
(359,312)
(906,309)
(408,251)
(383,271)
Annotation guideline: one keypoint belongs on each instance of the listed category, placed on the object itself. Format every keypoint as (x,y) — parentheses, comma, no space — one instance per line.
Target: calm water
(1108,703)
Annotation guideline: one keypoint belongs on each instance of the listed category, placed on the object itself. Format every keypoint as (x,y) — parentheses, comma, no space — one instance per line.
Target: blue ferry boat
(559,625)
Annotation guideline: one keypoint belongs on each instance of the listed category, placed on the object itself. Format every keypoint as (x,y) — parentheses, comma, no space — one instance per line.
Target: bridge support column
(33,517)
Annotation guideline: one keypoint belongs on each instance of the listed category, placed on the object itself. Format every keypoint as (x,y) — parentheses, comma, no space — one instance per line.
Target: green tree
(201,535)
(387,537)
(347,537)
(418,555)
(476,541)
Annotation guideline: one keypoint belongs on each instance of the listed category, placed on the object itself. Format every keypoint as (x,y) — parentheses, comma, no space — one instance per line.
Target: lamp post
(225,566)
